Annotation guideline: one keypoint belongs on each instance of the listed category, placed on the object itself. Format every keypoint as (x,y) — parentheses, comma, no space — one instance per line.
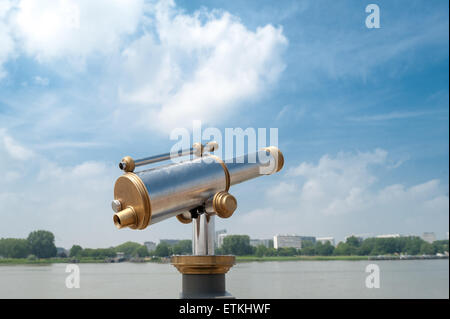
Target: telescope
(194,190)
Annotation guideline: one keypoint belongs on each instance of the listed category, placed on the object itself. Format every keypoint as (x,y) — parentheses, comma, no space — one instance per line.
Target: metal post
(203,273)
(204,286)
(203,235)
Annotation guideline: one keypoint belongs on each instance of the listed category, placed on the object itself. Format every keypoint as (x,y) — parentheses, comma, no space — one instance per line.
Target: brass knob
(224,204)
(198,149)
(278,157)
(127,164)
(211,146)
(184,218)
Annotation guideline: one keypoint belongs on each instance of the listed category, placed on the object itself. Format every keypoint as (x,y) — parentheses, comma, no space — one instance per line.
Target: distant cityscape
(292,240)
(39,245)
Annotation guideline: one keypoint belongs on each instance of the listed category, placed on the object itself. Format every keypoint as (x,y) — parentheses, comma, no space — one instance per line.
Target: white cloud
(6,40)
(197,66)
(67,200)
(335,185)
(74,29)
(13,156)
(70,200)
(41,80)
(343,185)
(181,67)
(390,116)
(338,195)
(14,149)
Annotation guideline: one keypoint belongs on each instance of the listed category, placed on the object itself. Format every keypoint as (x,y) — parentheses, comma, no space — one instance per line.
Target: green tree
(261,251)
(343,249)
(183,247)
(42,243)
(88,253)
(162,250)
(271,252)
(427,249)
(440,246)
(61,254)
(324,249)
(353,241)
(75,251)
(238,245)
(102,253)
(14,248)
(142,252)
(287,251)
(367,246)
(129,248)
(413,245)
(309,250)
(385,246)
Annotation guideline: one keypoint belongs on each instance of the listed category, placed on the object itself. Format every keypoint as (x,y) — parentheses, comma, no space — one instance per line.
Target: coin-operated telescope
(194,191)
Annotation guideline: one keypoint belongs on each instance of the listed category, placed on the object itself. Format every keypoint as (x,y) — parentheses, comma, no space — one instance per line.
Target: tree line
(129,249)
(239,245)
(132,250)
(41,244)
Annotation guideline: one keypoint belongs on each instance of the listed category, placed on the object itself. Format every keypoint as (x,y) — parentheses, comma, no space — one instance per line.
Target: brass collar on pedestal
(197,265)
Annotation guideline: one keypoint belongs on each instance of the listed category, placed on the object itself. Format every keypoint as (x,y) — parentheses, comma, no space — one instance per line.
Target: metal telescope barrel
(162,157)
(128,164)
(177,189)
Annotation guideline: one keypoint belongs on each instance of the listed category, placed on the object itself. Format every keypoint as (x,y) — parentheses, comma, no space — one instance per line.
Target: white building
(389,236)
(280,241)
(218,233)
(429,237)
(323,240)
(220,239)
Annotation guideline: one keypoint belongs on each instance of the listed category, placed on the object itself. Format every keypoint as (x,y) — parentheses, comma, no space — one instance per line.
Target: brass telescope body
(150,196)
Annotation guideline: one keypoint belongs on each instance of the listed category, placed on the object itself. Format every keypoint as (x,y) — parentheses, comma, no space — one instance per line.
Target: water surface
(278,279)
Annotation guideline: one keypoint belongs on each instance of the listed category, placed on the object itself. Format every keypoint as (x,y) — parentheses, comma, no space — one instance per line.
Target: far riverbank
(21,261)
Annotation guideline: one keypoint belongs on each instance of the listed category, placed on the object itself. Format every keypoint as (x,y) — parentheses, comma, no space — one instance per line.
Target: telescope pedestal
(203,276)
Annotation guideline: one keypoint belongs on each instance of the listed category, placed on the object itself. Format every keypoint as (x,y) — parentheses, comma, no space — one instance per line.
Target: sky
(362,114)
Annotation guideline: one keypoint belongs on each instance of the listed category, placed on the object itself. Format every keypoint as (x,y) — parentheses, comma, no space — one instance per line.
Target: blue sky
(362,113)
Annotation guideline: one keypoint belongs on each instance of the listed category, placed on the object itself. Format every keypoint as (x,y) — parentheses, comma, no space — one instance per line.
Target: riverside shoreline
(239,259)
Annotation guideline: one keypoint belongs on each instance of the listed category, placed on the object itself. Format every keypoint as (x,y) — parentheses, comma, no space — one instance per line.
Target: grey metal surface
(163,157)
(250,166)
(179,187)
(204,286)
(116,205)
(203,235)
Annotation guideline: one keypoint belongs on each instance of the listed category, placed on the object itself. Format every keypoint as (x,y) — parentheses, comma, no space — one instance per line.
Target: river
(282,279)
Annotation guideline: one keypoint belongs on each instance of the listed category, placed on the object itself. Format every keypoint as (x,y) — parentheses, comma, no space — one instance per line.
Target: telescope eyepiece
(125,218)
